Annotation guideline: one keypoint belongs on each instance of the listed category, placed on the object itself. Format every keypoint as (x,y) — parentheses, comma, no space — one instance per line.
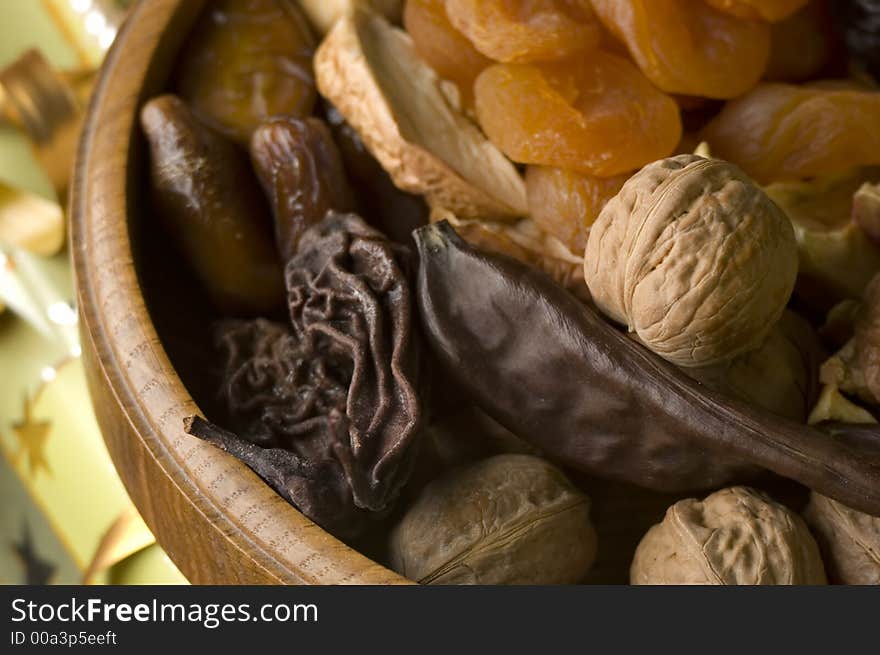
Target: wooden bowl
(217,520)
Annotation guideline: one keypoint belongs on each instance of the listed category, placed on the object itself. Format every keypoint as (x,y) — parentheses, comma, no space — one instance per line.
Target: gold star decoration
(32,436)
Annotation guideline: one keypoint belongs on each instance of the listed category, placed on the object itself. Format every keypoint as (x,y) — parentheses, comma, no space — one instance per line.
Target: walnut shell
(694,258)
(830,216)
(781,375)
(850,540)
(855,368)
(736,536)
(509,519)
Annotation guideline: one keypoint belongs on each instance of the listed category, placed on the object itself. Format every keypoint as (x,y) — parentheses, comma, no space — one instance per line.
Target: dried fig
(323,14)
(736,536)
(694,258)
(370,71)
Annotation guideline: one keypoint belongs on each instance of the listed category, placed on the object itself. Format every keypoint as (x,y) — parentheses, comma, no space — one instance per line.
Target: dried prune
(302,173)
(325,409)
(597,114)
(689,47)
(247,61)
(526,30)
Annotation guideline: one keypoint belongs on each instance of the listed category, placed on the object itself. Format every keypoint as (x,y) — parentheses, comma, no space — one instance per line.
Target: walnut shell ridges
(694,258)
(736,536)
(849,540)
(509,519)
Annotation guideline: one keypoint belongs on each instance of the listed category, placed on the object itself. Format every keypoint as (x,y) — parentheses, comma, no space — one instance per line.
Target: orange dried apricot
(443,47)
(526,30)
(595,114)
(688,47)
(781,132)
(771,11)
(565,203)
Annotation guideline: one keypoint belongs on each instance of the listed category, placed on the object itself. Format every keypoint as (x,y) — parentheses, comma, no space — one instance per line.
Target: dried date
(302,173)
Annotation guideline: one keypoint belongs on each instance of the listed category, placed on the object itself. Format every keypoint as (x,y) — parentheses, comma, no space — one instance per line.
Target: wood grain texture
(216,519)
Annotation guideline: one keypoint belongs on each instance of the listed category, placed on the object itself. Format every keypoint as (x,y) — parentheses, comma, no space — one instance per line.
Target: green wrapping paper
(65,517)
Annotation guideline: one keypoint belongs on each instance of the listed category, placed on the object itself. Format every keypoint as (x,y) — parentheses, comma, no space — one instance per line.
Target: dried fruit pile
(503,281)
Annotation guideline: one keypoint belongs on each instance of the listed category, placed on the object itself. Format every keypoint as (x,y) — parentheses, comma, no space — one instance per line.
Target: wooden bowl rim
(235,504)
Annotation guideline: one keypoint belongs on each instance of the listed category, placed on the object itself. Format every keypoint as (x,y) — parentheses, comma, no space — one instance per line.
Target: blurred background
(65,517)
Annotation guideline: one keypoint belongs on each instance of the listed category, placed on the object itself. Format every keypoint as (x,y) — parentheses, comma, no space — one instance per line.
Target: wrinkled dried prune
(327,408)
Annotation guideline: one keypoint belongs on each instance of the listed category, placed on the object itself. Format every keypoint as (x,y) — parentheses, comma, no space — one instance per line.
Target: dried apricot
(781,132)
(595,114)
(526,30)
(565,203)
(771,11)
(688,47)
(445,49)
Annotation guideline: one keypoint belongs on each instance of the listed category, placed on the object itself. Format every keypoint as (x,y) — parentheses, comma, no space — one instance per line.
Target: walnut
(781,375)
(694,258)
(855,368)
(834,406)
(509,519)
(370,71)
(866,210)
(849,540)
(736,536)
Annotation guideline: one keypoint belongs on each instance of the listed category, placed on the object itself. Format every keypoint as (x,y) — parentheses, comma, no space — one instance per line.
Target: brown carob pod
(551,370)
